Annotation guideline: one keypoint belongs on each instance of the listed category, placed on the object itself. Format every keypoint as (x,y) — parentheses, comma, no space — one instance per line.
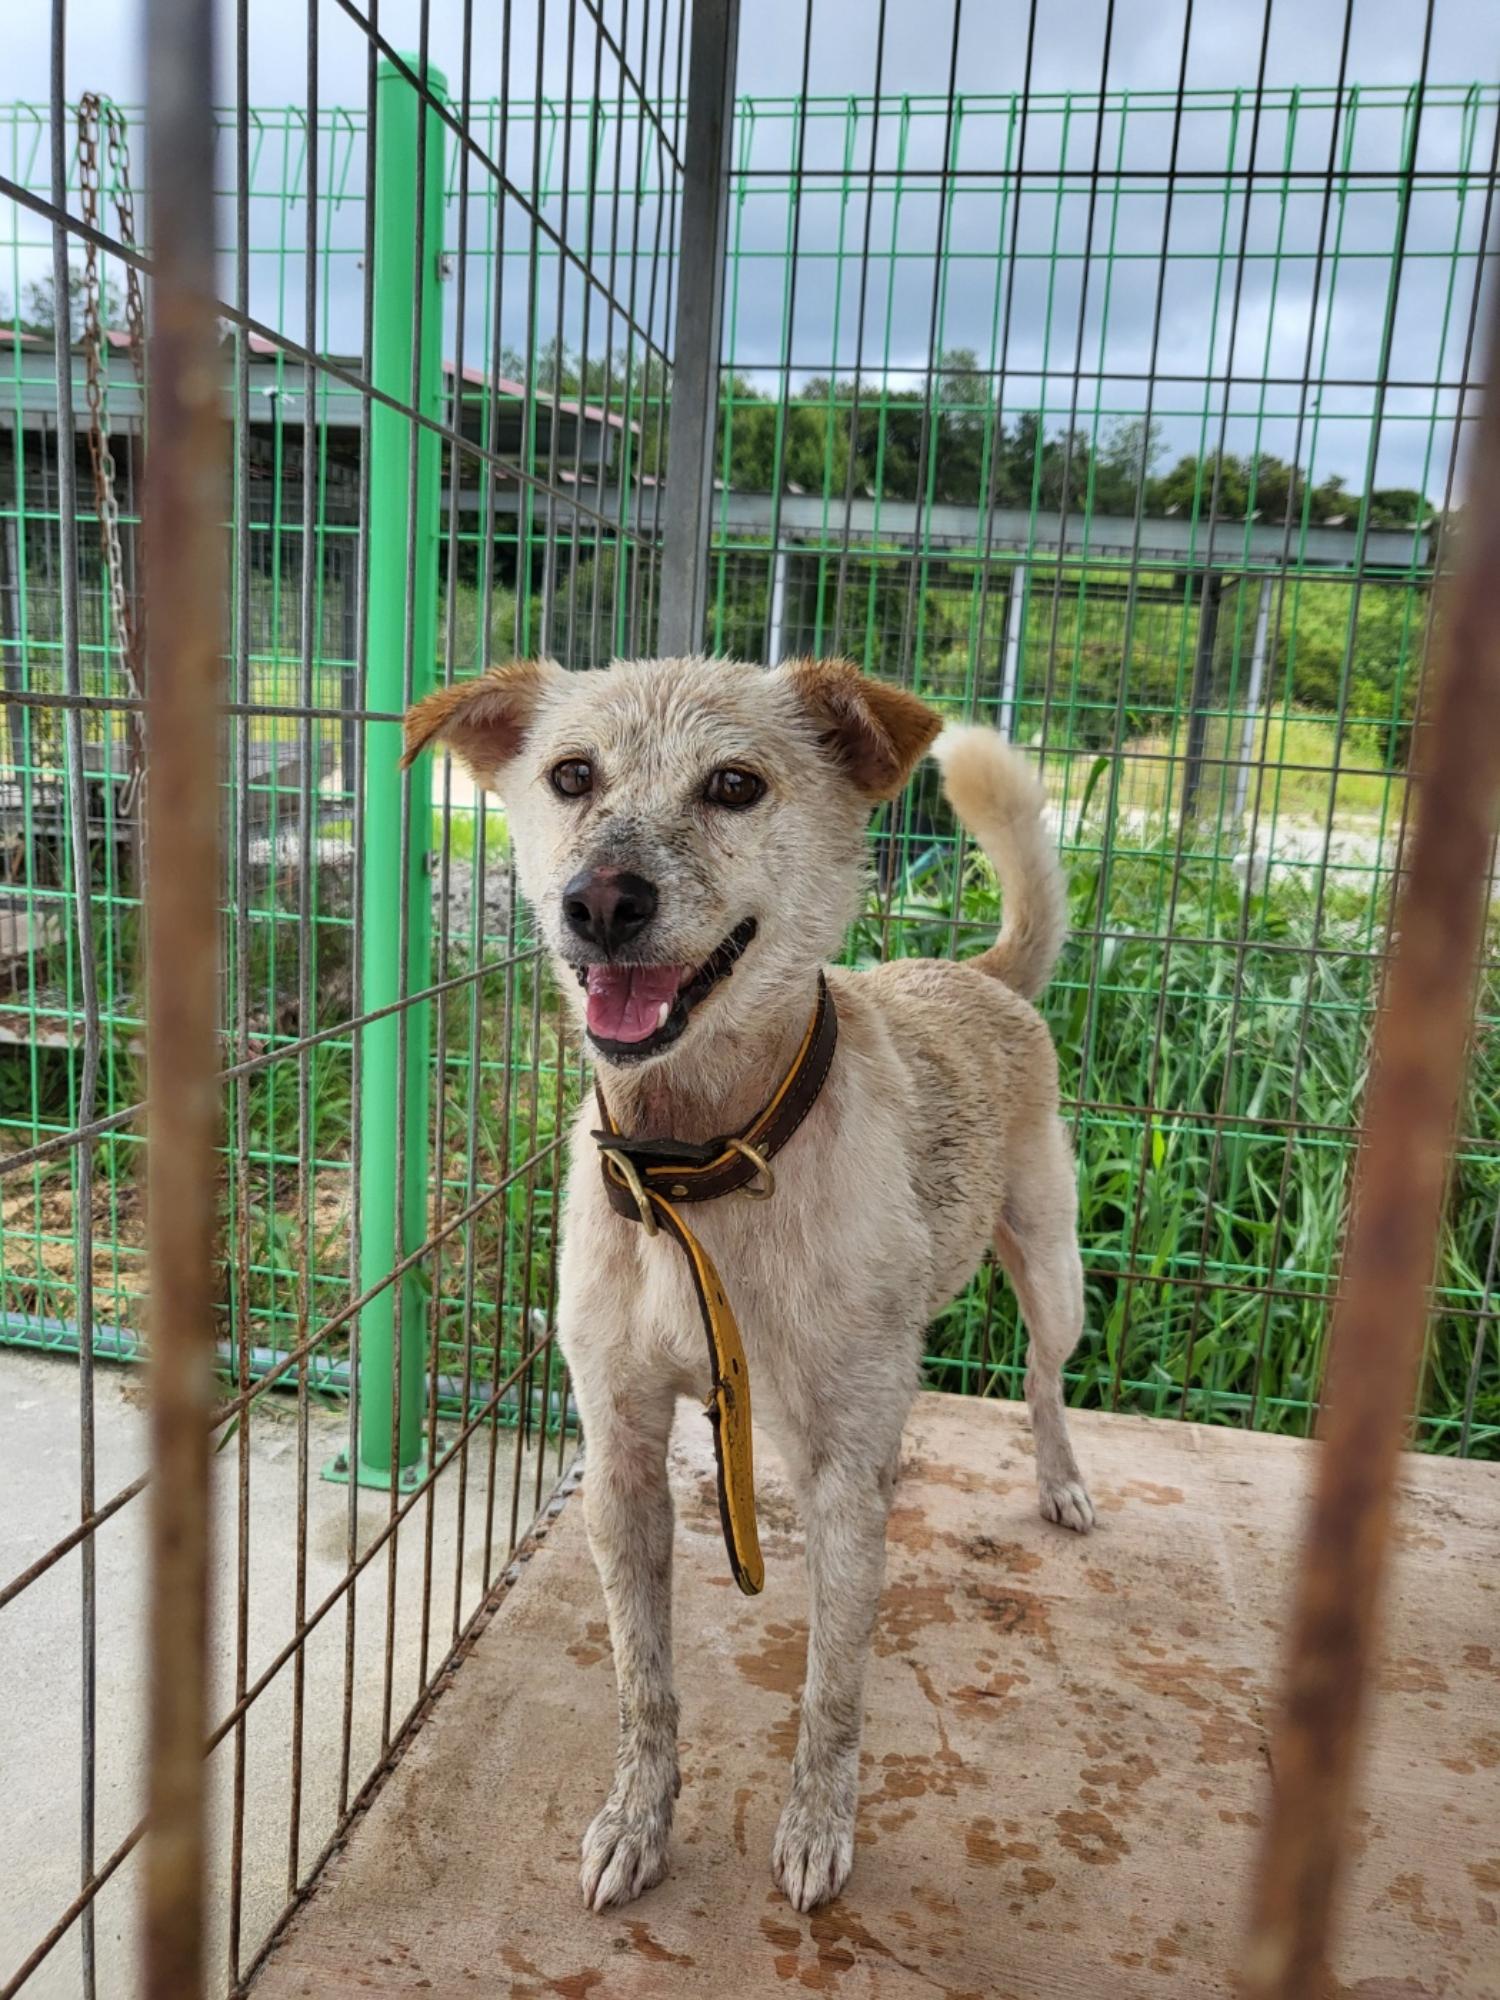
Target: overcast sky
(1385,43)
(1192,330)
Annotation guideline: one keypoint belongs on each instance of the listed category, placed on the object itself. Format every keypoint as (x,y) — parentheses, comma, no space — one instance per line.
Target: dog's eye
(729,786)
(573,777)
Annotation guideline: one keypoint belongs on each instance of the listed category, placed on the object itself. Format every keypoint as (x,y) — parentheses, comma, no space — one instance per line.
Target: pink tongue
(625,1001)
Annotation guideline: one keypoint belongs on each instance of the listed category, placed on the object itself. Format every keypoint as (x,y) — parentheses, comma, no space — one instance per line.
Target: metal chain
(117,135)
(94,116)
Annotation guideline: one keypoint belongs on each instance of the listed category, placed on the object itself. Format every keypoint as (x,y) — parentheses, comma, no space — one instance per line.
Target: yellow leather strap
(728,1404)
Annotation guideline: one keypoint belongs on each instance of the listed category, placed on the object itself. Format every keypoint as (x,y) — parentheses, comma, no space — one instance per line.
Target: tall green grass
(1213,1082)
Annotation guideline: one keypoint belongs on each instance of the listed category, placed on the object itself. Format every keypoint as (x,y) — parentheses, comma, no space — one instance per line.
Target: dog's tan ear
(482,721)
(876,732)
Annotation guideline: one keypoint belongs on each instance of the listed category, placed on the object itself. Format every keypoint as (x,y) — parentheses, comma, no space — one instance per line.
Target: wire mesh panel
(445,284)
(1118,400)
(1123,407)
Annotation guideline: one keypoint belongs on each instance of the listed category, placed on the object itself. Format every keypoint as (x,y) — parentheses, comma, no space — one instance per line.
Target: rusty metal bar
(1418,1061)
(185,509)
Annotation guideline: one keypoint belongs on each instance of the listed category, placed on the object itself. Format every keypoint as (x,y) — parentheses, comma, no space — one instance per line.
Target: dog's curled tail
(999,798)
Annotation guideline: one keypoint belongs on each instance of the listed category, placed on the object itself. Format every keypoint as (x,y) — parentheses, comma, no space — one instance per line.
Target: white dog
(691,834)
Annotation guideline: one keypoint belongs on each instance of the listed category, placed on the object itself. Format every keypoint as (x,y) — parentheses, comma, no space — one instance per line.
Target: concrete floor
(40,1654)
(1065,1763)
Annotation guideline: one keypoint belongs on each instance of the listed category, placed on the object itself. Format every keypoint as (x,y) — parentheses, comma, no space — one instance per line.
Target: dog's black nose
(607,907)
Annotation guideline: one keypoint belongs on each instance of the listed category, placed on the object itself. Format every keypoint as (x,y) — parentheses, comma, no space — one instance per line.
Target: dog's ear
(483,721)
(875,732)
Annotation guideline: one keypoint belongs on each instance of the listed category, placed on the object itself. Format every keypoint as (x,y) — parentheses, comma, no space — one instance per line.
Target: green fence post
(403,554)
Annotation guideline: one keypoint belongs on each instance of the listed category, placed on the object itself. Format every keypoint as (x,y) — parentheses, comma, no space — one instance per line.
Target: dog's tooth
(661,1019)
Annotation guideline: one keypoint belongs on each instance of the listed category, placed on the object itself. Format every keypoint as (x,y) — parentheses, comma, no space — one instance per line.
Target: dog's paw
(1066,1501)
(624,1853)
(813,1854)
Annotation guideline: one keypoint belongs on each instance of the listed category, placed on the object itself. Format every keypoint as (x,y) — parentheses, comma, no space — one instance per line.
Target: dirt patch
(1409,1892)
(959,1477)
(782,1736)
(592,1647)
(835,1942)
(1153,1495)
(567,1986)
(642,1941)
(780,1664)
(1018,1613)
(1117,1769)
(1092,1836)
(942,1776)
(907,1609)
(1217,1697)
(908,1528)
(1411,1675)
(1013,1557)
(982,1844)
(983,1698)
(1405,1536)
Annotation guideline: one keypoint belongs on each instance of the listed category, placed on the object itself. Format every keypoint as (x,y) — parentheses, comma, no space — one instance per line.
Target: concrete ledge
(1065,1752)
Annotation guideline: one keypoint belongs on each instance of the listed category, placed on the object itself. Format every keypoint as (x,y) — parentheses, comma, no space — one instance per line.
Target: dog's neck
(713,1085)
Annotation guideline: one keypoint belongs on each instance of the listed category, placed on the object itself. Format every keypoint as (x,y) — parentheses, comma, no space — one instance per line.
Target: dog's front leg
(628,1509)
(844,1499)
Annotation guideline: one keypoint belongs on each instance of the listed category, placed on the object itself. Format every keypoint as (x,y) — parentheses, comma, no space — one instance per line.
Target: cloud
(1103,294)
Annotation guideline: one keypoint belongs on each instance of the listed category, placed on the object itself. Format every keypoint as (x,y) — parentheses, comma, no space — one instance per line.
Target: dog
(691,835)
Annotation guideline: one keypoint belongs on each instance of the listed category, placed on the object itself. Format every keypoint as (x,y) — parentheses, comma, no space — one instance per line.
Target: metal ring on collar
(759,1160)
(632,1180)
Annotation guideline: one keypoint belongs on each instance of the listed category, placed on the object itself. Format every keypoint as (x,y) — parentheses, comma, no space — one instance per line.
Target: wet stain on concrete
(914,1777)
(907,1609)
(909,1528)
(1013,1557)
(981,1698)
(983,1844)
(779,1665)
(1092,1836)
(1224,1703)
(592,1647)
(650,1948)
(1152,1494)
(1411,1675)
(566,1986)
(1381,1989)
(1019,1613)
(1406,1536)
(836,1942)
(782,1736)
(1408,1892)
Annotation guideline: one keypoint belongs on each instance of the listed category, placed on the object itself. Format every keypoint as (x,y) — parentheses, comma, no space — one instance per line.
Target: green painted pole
(403,597)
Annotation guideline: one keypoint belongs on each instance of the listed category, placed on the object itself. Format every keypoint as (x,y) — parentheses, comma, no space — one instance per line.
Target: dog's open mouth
(636,1010)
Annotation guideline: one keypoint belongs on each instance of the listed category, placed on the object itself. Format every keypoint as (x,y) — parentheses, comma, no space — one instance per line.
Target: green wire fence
(1128,422)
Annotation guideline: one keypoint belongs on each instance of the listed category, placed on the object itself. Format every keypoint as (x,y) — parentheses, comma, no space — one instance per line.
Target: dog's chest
(800,1272)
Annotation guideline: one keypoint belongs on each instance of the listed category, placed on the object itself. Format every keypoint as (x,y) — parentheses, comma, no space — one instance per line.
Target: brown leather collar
(684,1171)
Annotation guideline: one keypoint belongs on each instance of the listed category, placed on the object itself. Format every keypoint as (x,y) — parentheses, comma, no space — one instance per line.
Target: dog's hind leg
(1036,1240)
(628,1511)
